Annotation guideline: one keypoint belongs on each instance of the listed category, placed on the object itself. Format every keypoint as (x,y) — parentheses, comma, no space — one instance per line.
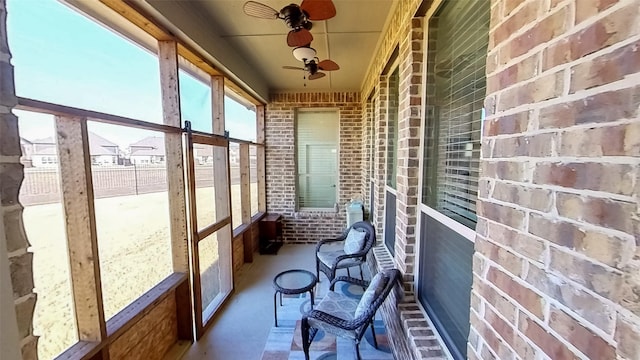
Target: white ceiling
(219,26)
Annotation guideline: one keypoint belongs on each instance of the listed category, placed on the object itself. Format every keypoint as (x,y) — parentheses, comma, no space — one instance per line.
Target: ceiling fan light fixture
(303,53)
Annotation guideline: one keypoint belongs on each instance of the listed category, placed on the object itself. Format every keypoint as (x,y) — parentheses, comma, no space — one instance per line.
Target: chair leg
(348,272)
(373,332)
(355,344)
(306,342)
(317,269)
(361,273)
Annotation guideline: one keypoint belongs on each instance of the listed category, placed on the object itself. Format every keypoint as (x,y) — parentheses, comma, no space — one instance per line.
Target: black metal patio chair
(342,316)
(357,240)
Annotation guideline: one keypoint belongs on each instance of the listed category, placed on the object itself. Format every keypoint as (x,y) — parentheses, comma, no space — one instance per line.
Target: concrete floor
(241,329)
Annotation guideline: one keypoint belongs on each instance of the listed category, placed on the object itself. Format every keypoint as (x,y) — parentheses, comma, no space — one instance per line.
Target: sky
(63,57)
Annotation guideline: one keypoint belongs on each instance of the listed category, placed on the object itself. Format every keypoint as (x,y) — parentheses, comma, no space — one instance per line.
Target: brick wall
(11,176)
(411,333)
(311,226)
(557,263)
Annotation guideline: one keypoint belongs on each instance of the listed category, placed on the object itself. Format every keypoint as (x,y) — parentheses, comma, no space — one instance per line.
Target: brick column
(11,176)
(409,155)
(381,96)
(557,262)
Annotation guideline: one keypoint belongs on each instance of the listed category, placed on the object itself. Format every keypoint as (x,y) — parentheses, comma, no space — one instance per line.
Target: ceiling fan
(297,17)
(312,64)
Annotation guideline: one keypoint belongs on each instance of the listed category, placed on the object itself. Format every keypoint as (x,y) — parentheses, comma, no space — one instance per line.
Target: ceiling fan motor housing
(311,67)
(295,17)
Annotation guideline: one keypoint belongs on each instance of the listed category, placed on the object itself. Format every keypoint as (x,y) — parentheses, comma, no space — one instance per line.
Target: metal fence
(42,185)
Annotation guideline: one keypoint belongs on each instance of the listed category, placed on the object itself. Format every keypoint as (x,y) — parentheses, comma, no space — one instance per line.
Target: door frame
(221,226)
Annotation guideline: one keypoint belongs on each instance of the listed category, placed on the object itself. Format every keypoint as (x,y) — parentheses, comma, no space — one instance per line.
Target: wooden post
(245,184)
(261,159)
(168,56)
(245,205)
(80,222)
(171,114)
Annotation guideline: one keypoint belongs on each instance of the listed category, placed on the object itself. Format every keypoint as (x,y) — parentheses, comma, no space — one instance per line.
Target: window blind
(317,158)
(455,98)
(392,128)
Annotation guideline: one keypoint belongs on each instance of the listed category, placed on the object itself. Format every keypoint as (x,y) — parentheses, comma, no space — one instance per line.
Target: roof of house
(93,138)
(94,150)
(97,146)
(47,150)
(149,146)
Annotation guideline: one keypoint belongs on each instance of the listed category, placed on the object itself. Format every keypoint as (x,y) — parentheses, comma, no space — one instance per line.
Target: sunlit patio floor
(241,329)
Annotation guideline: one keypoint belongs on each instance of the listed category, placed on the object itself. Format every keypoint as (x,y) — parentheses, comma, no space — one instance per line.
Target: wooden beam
(217,104)
(245,202)
(261,159)
(140,308)
(210,229)
(260,124)
(245,184)
(129,11)
(171,114)
(68,111)
(210,140)
(80,222)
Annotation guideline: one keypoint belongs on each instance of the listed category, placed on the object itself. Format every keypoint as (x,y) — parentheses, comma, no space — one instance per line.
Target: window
(455,110)
(317,158)
(392,128)
(195,96)
(89,66)
(240,118)
(456,56)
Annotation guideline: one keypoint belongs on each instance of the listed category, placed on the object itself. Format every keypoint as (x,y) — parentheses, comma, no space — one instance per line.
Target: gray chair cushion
(337,305)
(354,241)
(327,258)
(375,288)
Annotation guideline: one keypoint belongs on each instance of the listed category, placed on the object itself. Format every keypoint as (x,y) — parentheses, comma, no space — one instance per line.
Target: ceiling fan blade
(317,75)
(300,37)
(319,9)
(328,65)
(259,10)
(292,68)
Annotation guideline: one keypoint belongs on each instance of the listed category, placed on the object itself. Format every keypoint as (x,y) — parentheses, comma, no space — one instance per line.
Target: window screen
(454,97)
(317,158)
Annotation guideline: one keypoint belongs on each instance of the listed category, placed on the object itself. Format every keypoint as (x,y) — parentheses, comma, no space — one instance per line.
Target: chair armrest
(348,256)
(336,321)
(349,280)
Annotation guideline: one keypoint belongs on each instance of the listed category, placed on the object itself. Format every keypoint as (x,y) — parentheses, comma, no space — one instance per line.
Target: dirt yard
(134,249)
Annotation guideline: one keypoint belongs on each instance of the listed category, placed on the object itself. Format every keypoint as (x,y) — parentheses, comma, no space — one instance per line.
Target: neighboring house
(203,154)
(149,150)
(27,150)
(43,152)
